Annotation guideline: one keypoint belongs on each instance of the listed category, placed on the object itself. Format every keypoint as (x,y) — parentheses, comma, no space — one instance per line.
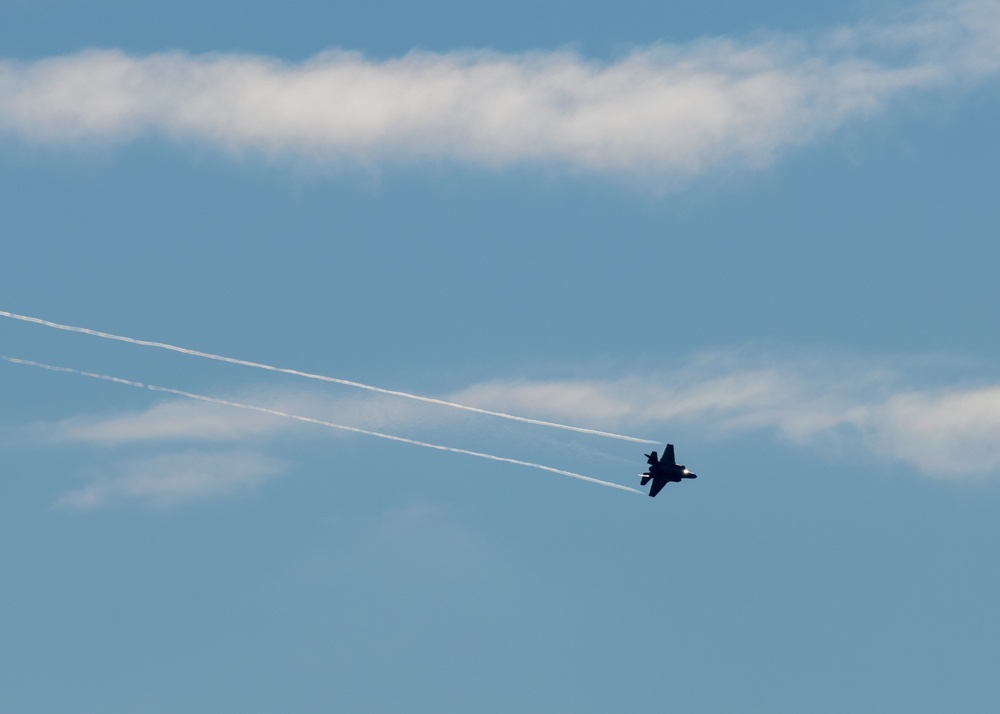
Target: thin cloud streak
(319,377)
(310,420)
(845,405)
(166,422)
(666,109)
(863,408)
(190,421)
(169,479)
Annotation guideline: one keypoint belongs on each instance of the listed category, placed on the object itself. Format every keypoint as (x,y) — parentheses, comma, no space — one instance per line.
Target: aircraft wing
(657,486)
(668,455)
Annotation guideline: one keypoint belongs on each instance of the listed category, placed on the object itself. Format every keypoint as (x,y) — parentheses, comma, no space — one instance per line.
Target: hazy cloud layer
(180,420)
(165,422)
(169,479)
(179,473)
(675,109)
(855,407)
(920,411)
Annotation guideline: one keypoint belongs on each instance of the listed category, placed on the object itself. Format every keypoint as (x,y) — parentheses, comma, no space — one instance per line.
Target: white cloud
(169,479)
(165,421)
(186,420)
(891,408)
(677,109)
(856,405)
(171,476)
(942,431)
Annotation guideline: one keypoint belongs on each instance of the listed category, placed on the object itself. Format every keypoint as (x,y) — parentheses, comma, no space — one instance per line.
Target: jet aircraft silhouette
(664,471)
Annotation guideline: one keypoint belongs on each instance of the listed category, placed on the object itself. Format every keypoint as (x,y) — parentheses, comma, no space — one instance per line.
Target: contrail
(310,420)
(320,377)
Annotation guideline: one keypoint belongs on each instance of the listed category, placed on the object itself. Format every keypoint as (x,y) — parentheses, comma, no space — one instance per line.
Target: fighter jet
(664,471)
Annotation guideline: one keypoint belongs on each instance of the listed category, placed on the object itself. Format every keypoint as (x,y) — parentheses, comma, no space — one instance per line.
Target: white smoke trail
(320,377)
(310,420)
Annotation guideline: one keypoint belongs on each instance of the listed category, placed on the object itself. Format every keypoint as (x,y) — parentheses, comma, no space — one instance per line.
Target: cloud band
(679,109)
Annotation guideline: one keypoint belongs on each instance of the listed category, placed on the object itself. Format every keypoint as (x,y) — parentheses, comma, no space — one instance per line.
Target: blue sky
(764,232)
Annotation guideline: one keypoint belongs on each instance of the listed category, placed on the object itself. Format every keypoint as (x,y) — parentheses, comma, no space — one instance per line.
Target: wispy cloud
(666,109)
(945,431)
(867,406)
(925,412)
(104,430)
(169,479)
(181,420)
(164,422)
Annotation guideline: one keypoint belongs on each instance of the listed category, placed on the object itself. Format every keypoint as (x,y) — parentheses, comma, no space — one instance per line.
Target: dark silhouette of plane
(664,471)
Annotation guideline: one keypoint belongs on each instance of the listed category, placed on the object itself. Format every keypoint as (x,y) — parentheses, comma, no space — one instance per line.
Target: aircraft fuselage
(664,471)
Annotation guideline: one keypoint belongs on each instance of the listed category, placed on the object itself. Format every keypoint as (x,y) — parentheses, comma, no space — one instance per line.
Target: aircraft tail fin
(645,479)
(652,459)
